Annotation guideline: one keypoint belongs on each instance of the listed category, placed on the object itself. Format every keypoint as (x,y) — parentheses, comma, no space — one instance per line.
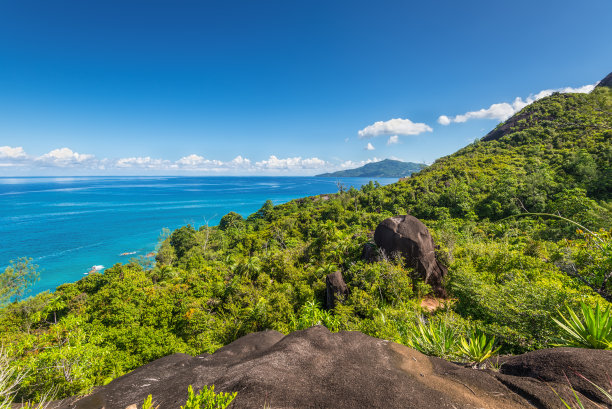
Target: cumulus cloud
(290,163)
(69,160)
(240,161)
(369,147)
(198,162)
(444,120)
(500,111)
(393,139)
(143,162)
(190,160)
(349,164)
(64,157)
(9,152)
(504,110)
(396,126)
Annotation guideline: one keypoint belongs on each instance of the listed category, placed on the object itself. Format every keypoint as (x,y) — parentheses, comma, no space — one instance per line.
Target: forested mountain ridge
(558,143)
(508,272)
(387,168)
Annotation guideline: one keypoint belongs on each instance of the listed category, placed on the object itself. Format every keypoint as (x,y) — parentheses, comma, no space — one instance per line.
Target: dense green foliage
(17,277)
(387,168)
(210,285)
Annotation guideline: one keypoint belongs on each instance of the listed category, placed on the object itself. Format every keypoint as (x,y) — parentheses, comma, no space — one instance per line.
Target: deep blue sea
(67,225)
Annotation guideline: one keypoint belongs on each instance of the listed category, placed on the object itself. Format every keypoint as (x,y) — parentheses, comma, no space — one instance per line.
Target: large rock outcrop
(409,237)
(335,288)
(318,369)
(521,373)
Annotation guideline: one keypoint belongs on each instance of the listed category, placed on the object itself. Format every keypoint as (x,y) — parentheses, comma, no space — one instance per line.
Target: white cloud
(143,162)
(78,163)
(397,126)
(585,89)
(444,120)
(198,162)
(369,147)
(190,160)
(290,163)
(393,139)
(349,164)
(500,111)
(8,152)
(240,161)
(504,110)
(64,157)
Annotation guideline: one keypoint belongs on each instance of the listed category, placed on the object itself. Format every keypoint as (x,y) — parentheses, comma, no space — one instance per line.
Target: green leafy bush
(11,378)
(311,314)
(148,403)
(206,398)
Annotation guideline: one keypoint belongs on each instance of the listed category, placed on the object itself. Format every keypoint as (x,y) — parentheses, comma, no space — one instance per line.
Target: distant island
(387,168)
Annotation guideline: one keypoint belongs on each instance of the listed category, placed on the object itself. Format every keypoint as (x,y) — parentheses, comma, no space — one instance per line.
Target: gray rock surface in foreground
(318,369)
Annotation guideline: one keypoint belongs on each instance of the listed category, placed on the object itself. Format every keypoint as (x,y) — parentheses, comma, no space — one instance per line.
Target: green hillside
(387,168)
(510,269)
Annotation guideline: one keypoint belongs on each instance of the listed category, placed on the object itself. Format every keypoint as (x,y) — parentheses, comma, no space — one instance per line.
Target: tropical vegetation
(511,267)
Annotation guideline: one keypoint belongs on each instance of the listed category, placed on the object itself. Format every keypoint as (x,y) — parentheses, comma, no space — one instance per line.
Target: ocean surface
(69,225)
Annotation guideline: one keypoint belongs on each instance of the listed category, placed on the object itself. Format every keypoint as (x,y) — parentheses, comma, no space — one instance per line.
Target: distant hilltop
(387,168)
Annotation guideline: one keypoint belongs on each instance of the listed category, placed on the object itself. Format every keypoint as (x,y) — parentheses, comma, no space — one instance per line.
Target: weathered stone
(318,369)
(559,367)
(409,237)
(369,253)
(335,287)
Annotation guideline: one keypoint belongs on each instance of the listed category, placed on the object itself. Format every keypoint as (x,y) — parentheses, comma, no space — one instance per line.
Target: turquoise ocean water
(69,224)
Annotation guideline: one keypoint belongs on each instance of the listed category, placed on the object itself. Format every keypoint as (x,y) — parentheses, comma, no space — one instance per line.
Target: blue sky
(276,87)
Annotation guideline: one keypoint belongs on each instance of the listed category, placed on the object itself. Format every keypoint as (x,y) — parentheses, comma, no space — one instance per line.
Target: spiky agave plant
(477,346)
(436,337)
(593,330)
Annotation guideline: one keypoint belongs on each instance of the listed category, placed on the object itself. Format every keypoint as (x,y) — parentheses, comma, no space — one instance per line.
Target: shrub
(206,398)
(148,403)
